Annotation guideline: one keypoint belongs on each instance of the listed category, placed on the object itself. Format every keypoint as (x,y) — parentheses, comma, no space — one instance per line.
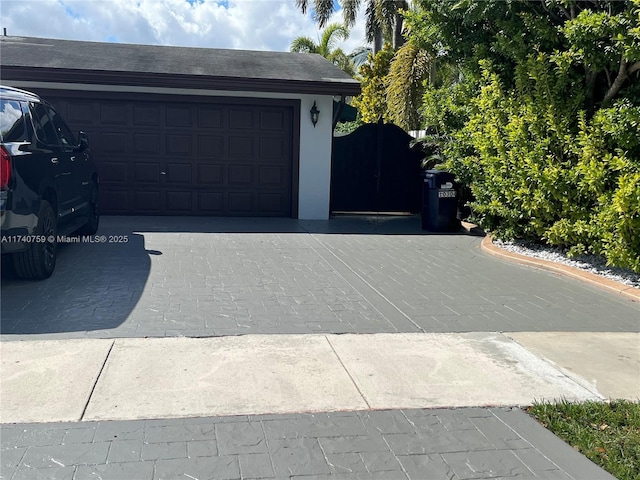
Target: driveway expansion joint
(355,384)
(377,292)
(93,387)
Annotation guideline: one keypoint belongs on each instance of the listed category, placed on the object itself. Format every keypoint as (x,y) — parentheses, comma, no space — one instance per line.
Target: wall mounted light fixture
(315,113)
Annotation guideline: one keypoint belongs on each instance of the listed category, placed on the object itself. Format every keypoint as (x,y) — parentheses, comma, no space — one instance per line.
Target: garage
(162,155)
(192,131)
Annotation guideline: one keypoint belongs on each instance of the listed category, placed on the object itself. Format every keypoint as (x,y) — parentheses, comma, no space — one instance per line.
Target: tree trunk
(590,85)
(398,39)
(377,41)
(623,74)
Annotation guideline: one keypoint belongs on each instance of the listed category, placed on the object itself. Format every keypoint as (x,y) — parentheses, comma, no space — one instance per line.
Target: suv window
(12,126)
(67,138)
(45,130)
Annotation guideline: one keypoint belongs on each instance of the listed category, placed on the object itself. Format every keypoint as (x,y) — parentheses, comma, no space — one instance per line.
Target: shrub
(539,169)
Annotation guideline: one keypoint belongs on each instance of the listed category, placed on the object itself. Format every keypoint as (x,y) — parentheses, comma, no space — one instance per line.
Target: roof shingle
(260,67)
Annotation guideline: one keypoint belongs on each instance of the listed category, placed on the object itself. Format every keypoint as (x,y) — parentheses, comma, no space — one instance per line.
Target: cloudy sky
(235,24)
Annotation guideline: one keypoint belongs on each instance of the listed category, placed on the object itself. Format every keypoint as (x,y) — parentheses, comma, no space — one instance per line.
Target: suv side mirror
(84,141)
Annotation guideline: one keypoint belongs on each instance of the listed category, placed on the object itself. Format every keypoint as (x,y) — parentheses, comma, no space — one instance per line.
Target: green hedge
(540,170)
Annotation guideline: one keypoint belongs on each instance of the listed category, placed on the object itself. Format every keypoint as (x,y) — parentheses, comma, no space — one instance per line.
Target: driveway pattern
(200,277)
(206,277)
(415,444)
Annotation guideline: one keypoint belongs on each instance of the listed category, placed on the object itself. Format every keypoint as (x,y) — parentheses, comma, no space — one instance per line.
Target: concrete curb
(629,292)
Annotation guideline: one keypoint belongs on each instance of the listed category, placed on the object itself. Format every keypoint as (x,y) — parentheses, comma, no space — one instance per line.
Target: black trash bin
(439,202)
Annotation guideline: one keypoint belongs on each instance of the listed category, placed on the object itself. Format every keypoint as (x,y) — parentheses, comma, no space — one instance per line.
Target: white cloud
(236,24)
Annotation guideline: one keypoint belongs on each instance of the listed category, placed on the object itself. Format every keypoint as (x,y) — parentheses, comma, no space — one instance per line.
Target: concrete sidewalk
(116,406)
(128,379)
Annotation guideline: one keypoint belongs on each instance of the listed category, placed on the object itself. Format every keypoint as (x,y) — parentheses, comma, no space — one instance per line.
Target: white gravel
(589,263)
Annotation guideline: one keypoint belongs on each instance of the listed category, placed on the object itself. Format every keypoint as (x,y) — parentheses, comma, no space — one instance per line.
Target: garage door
(172,155)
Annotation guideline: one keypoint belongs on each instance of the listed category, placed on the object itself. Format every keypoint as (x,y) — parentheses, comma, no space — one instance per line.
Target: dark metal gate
(374,170)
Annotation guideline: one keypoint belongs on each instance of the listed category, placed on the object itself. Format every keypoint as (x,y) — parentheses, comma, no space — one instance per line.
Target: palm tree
(383,18)
(419,64)
(326,47)
(410,68)
(360,56)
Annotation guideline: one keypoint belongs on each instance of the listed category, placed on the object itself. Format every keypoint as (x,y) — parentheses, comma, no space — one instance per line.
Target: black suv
(48,183)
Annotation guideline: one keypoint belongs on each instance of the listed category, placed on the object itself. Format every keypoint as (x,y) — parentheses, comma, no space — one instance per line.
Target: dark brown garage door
(169,155)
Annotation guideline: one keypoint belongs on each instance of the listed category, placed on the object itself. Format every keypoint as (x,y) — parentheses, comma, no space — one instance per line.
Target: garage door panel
(210,145)
(211,202)
(179,116)
(272,147)
(271,203)
(272,120)
(110,142)
(147,114)
(146,172)
(147,143)
(210,117)
(179,144)
(210,175)
(240,203)
(82,112)
(114,172)
(241,147)
(114,113)
(240,175)
(179,173)
(270,176)
(241,118)
(179,201)
(148,201)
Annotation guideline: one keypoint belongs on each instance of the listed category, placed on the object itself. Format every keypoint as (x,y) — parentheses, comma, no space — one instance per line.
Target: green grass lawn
(606,433)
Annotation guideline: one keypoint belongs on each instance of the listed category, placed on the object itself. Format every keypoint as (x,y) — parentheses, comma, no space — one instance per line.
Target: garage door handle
(54,161)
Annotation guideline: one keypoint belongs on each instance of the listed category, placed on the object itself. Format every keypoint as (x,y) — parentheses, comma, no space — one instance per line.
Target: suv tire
(93,217)
(39,261)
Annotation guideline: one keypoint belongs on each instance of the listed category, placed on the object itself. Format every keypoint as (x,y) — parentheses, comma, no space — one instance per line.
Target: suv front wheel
(39,260)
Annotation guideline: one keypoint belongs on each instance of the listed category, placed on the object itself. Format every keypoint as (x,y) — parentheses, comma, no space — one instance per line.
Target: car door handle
(54,160)
(163,173)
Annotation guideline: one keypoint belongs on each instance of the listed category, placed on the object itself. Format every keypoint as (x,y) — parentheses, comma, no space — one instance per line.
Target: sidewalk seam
(348,372)
(95,384)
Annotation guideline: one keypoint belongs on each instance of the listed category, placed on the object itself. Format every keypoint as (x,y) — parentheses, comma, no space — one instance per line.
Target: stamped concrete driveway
(173,276)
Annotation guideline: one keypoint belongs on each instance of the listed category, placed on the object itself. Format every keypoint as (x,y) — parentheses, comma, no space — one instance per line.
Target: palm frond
(303,45)
(372,24)
(323,9)
(409,69)
(350,11)
(331,35)
(360,55)
(302,5)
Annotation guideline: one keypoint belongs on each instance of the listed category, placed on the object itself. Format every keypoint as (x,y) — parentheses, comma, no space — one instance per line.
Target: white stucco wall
(315,143)
(315,158)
